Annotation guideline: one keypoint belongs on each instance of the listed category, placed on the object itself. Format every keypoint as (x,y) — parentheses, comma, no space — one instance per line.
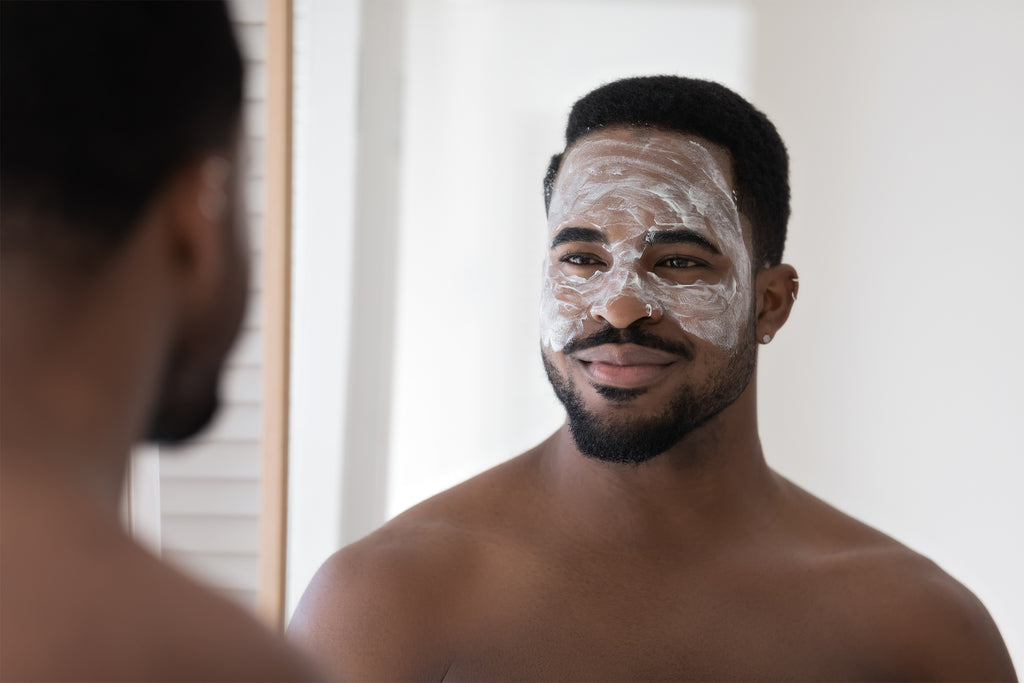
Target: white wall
(892,392)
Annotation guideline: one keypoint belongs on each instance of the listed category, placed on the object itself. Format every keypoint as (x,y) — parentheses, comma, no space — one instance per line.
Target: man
(123,285)
(647,538)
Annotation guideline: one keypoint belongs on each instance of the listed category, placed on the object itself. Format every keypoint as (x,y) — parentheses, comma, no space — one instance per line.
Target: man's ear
(777,288)
(197,213)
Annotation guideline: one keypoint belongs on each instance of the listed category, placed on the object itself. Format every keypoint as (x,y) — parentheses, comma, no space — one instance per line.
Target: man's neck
(41,451)
(75,391)
(716,477)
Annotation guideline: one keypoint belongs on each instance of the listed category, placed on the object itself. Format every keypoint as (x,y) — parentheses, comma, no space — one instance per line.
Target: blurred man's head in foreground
(118,118)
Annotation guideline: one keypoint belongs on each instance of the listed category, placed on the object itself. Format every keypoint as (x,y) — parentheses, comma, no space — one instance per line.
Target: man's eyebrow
(682,236)
(578,235)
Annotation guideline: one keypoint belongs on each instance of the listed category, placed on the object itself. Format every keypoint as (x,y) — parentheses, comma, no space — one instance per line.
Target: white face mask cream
(638,191)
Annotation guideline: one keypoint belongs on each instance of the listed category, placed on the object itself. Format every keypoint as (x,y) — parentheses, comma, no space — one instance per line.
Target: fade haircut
(708,110)
(102,102)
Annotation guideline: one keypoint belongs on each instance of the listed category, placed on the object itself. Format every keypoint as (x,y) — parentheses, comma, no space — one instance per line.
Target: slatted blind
(210,495)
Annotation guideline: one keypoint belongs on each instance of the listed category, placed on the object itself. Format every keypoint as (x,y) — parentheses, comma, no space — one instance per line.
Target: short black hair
(100,103)
(713,112)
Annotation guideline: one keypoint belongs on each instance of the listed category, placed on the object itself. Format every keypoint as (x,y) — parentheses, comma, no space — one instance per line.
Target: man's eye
(581,260)
(680,262)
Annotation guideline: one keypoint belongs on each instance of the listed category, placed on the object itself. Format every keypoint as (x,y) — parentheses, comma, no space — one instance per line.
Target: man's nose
(625,306)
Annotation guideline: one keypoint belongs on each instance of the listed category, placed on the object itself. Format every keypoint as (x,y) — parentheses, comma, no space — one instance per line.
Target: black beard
(187,403)
(640,439)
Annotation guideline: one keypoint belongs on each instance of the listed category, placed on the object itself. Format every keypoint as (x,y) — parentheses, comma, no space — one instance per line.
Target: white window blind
(210,493)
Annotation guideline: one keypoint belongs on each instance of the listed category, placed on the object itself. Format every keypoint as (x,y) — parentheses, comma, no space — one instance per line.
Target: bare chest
(697,625)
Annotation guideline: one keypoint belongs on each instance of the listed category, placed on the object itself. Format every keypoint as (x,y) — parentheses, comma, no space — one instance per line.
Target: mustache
(634,334)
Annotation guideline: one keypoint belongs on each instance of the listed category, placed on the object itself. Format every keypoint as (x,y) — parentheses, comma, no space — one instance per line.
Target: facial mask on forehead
(630,190)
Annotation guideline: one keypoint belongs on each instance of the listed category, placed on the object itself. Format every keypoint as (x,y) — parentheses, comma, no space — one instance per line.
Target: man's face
(647,315)
(189,395)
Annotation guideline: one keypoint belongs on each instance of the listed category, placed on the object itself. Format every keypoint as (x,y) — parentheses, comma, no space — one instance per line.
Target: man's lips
(625,354)
(624,365)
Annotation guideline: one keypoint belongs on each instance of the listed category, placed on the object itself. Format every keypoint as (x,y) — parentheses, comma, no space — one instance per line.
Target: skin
(84,353)
(701,563)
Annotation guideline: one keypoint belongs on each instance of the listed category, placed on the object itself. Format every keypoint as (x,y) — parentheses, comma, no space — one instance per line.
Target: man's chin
(633,425)
(619,395)
(622,441)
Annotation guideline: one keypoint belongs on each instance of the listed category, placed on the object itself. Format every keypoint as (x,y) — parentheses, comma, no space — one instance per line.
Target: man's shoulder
(443,539)
(415,580)
(210,637)
(913,617)
(410,559)
(117,612)
(922,618)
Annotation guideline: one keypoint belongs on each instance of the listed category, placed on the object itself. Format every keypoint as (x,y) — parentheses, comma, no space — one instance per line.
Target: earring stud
(766,338)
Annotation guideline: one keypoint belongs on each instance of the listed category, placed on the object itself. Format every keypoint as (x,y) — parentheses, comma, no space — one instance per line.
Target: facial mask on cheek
(658,184)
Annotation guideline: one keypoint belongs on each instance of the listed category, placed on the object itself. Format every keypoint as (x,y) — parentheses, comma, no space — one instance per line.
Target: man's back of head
(102,103)
(123,285)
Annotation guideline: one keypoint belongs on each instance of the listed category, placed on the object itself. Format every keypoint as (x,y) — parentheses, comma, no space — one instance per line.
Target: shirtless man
(647,539)
(123,285)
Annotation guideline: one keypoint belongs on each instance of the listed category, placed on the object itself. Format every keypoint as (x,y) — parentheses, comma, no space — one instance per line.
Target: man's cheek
(713,313)
(564,307)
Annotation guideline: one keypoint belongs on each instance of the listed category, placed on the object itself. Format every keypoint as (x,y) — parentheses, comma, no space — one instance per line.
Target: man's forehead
(665,174)
(646,151)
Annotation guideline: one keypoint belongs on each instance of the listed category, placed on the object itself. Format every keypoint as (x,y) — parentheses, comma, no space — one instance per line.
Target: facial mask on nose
(629,190)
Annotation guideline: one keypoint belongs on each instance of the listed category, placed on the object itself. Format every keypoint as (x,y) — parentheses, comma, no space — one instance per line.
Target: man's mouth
(626,366)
